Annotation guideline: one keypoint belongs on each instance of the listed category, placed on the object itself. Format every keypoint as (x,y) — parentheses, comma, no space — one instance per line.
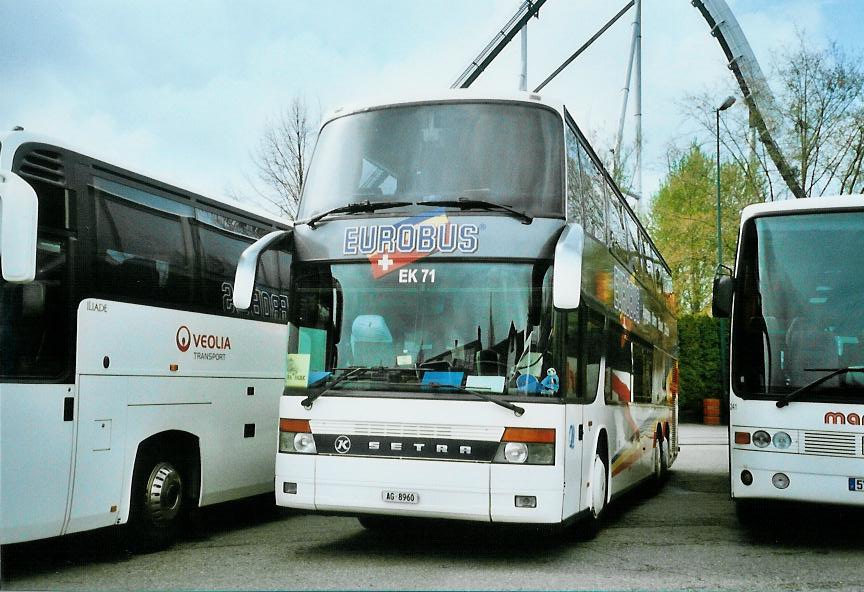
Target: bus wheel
(158,504)
(661,458)
(597,499)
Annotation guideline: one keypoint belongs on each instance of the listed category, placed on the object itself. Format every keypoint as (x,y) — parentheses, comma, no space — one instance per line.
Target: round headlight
(516,452)
(782,440)
(304,442)
(761,438)
(780,480)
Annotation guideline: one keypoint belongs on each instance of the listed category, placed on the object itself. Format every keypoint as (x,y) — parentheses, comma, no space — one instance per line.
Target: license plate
(400,497)
(856,484)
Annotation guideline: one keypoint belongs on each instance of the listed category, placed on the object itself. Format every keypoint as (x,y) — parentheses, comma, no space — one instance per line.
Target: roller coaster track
(754,86)
(724,27)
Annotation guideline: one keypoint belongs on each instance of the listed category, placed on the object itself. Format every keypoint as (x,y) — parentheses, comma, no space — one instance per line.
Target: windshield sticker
(297,374)
(489,384)
(392,246)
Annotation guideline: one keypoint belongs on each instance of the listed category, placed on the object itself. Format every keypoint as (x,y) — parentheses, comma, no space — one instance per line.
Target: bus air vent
(44,165)
(830,444)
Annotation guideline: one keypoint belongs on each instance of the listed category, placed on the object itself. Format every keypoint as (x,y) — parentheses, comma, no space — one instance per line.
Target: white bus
(479,327)
(131,390)
(797,353)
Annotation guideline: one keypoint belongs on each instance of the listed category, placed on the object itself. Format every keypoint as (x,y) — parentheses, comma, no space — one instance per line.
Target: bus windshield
(424,327)
(504,153)
(799,283)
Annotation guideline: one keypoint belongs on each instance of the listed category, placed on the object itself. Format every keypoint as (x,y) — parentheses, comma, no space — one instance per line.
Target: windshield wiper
(350,373)
(516,409)
(809,387)
(465,203)
(310,398)
(355,208)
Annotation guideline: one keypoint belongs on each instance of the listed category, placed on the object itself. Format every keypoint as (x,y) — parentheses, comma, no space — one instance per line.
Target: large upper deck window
(799,289)
(507,153)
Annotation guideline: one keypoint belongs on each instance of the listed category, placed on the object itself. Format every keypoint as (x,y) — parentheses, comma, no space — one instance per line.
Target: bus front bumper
(431,489)
(810,478)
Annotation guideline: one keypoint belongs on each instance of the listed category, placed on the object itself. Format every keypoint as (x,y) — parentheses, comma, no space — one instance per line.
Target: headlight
(295,436)
(516,452)
(761,438)
(304,443)
(782,440)
(527,446)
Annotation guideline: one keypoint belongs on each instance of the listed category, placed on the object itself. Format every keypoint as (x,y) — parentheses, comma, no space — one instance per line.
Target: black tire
(159,502)
(661,462)
(590,526)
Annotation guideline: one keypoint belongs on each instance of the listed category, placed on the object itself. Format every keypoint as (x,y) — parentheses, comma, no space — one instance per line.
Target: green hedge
(699,363)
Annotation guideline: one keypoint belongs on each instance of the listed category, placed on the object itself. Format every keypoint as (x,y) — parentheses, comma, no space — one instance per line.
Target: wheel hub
(164,494)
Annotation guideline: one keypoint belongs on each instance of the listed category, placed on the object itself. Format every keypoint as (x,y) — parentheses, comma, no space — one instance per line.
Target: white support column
(523,77)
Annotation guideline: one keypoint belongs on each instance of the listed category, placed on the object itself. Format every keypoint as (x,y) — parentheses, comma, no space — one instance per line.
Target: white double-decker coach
(797,353)
(131,390)
(479,328)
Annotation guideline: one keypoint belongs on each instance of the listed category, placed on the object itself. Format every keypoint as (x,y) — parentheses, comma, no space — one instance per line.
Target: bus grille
(406,430)
(831,444)
(44,165)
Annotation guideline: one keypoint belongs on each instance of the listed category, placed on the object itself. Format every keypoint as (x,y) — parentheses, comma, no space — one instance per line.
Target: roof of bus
(444,96)
(11,141)
(833,202)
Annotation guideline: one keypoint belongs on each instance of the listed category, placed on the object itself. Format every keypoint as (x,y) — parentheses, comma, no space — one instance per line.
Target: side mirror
(19,211)
(567,269)
(724,289)
(244,277)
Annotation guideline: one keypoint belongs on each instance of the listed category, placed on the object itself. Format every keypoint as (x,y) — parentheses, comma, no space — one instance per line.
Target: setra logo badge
(342,444)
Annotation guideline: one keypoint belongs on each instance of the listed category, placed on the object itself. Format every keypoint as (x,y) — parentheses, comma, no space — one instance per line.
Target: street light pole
(730,100)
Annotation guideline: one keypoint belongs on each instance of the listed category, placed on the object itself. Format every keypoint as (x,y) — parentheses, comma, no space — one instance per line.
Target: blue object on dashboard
(318,376)
(453,379)
(528,384)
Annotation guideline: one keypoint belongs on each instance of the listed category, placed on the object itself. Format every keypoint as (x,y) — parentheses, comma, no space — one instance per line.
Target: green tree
(699,362)
(684,221)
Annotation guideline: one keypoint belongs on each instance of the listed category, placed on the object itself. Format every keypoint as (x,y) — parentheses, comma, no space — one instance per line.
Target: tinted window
(219,254)
(576,186)
(507,153)
(619,366)
(35,340)
(594,200)
(141,253)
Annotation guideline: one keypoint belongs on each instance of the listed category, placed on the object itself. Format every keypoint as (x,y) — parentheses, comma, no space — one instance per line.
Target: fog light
(780,480)
(526,501)
(782,440)
(516,452)
(746,477)
(761,438)
(289,487)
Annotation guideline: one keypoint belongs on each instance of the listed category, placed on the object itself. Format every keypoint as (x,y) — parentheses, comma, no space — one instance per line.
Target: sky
(183,91)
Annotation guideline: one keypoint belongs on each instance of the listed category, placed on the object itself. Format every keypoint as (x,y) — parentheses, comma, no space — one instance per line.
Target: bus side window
(141,253)
(594,198)
(592,353)
(576,187)
(619,366)
(643,365)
